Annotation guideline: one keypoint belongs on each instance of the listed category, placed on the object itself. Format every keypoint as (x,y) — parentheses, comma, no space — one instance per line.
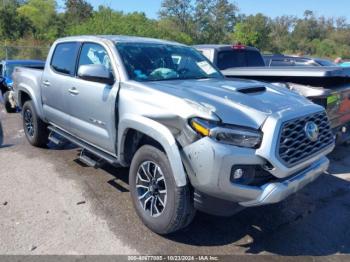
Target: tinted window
(281,62)
(326,63)
(64,58)
(254,59)
(239,58)
(94,54)
(305,62)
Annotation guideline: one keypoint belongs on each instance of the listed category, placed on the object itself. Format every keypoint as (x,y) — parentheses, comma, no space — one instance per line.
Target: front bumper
(276,192)
(209,166)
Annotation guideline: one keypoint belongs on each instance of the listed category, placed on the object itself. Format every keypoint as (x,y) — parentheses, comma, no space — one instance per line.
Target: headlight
(228,134)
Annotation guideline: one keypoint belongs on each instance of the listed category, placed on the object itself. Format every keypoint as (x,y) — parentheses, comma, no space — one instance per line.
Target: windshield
(157,62)
(326,63)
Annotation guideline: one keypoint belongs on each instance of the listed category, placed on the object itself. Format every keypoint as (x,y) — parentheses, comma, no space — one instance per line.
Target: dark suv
(225,56)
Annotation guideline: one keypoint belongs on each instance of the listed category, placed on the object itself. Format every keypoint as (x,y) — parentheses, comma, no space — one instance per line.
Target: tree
(254,30)
(280,33)
(43,17)
(179,12)
(77,11)
(214,20)
(12,24)
(305,31)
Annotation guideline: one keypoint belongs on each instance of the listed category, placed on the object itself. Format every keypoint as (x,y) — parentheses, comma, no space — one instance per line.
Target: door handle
(46,83)
(73,91)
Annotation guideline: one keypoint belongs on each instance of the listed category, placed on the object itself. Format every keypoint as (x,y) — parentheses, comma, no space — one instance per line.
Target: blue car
(345,64)
(6,70)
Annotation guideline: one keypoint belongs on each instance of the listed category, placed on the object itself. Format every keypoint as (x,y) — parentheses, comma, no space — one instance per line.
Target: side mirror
(96,73)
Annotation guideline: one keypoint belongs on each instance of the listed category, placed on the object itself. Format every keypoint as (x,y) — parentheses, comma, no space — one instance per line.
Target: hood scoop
(252,90)
(246,89)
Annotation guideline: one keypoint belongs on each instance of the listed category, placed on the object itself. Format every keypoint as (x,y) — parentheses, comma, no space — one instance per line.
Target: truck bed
(27,78)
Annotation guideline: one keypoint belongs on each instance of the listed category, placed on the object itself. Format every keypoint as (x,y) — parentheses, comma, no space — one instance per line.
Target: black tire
(39,134)
(178,211)
(7,104)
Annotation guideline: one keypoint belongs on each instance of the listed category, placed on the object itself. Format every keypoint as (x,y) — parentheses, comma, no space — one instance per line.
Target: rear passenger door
(93,104)
(56,77)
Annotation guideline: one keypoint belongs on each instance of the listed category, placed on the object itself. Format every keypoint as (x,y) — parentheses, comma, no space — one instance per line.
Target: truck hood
(237,101)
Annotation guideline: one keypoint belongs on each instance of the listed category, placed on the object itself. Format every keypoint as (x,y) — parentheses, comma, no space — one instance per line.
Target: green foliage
(245,35)
(77,11)
(254,30)
(38,22)
(107,21)
(214,20)
(12,24)
(43,16)
(179,12)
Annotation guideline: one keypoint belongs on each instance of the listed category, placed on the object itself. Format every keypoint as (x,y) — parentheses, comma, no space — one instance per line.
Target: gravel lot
(50,203)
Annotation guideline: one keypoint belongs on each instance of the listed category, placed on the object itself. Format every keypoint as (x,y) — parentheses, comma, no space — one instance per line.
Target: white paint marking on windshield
(206,67)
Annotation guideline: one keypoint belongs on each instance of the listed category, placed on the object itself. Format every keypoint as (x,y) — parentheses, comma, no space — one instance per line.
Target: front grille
(294,145)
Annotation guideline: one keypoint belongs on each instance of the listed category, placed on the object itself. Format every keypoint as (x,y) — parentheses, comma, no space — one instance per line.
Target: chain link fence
(24,52)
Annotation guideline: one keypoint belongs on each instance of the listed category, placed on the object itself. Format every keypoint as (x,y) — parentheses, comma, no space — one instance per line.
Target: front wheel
(159,202)
(34,128)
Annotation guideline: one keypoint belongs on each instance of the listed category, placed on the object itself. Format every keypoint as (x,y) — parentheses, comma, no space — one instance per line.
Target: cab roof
(117,39)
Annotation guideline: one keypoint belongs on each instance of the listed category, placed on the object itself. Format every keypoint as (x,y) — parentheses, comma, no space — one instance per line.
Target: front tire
(159,202)
(8,106)
(34,128)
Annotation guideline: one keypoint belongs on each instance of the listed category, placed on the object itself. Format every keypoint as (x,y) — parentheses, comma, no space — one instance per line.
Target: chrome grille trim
(293,144)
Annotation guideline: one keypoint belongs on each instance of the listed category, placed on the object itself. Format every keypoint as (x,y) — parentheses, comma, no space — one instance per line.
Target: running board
(89,161)
(93,150)
(55,140)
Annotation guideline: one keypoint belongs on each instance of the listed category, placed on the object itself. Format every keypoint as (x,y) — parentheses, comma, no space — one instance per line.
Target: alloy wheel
(28,122)
(151,188)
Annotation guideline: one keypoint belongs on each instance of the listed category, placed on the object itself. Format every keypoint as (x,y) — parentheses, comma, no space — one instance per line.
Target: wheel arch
(140,131)
(24,95)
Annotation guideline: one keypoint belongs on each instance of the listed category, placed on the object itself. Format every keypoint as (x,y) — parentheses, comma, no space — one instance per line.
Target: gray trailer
(325,86)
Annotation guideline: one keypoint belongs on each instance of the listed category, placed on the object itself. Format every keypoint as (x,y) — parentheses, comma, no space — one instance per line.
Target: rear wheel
(162,206)
(8,105)
(34,128)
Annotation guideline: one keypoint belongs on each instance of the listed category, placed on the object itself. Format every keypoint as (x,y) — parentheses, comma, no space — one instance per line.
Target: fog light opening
(238,173)
(251,175)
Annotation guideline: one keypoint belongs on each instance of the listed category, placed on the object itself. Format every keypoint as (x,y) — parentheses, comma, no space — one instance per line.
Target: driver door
(92,104)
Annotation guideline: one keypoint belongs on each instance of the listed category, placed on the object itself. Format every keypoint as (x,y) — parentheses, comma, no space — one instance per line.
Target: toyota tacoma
(192,139)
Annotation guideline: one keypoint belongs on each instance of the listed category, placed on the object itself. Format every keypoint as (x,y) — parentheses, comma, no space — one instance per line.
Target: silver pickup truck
(193,140)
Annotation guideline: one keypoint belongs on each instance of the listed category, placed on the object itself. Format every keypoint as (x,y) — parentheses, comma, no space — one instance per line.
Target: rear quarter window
(64,58)
(239,58)
(281,62)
